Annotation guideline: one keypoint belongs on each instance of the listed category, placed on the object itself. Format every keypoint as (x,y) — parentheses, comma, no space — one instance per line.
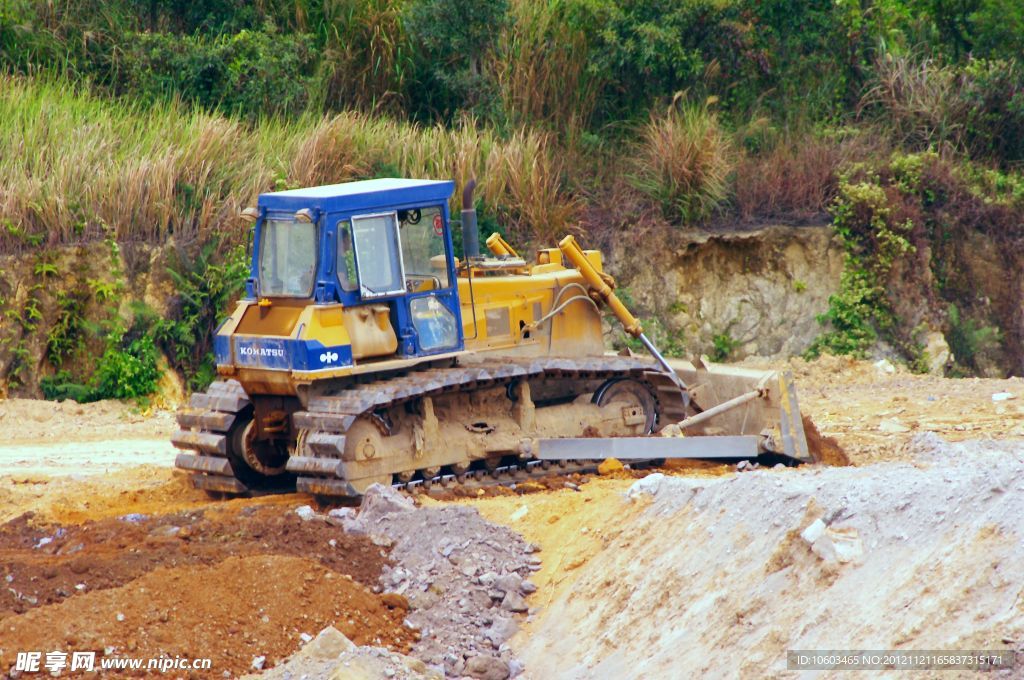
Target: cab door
(405,256)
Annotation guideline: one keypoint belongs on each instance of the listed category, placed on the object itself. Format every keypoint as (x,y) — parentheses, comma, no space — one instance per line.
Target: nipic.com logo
(55,663)
(32,662)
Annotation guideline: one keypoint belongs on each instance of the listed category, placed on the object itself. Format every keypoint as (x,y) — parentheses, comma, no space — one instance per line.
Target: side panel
(503,314)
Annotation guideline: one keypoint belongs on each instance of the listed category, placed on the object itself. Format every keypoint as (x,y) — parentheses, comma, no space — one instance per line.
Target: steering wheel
(411,216)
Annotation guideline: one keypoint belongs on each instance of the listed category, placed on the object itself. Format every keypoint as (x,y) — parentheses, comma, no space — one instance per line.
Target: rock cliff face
(759,289)
(742,294)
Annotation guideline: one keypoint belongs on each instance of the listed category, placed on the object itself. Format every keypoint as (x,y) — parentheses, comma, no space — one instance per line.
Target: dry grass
(368,60)
(541,67)
(793,180)
(76,168)
(683,161)
(796,178)
(918,99)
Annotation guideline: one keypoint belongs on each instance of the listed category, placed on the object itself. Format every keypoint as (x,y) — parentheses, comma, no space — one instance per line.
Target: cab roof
(363,195)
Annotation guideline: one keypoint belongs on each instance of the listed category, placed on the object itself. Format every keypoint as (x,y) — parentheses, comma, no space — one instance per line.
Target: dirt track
(711,562)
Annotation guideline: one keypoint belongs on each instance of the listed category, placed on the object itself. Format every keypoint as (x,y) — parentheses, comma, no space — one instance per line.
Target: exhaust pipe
(470,234)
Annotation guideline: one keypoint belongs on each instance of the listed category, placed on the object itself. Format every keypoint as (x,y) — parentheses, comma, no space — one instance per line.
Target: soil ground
(699,566)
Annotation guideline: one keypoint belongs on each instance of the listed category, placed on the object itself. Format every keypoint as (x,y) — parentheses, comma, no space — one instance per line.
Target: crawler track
(323,463)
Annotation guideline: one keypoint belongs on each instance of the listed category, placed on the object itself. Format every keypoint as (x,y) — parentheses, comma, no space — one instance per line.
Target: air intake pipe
(470,234)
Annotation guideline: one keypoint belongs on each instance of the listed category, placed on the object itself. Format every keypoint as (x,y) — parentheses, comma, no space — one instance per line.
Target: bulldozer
(364,351)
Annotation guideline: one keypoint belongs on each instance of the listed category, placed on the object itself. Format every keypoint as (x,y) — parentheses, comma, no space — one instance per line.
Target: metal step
(219,483)
(326,444)
(312,465)
(204,442)
(206,420)
(231,402)
(210,464)
(330,422)
(326,487)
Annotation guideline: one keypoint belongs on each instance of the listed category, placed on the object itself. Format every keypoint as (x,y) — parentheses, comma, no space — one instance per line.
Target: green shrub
(128,369)
(129,372)
(851,316)
(251,73)
(968,340)
(874,237)
(204,288)
(723,345)
(67,335)
(453,41)
(992,93)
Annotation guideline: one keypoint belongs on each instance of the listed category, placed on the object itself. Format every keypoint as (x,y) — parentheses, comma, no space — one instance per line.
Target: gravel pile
(465,580)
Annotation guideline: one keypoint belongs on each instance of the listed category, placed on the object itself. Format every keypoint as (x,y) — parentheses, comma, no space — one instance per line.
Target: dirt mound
(873,411)
(825,450)
(35,421)
(926,554)
(44,563)
(230,612)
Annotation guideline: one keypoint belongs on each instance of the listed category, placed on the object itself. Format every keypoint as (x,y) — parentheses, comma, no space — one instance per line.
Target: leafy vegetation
(155,122)
(204,288)
(907,226)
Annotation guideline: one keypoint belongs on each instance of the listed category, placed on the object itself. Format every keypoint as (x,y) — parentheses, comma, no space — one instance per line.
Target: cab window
(287,258)
(378,254)
(423,249)
(346,257)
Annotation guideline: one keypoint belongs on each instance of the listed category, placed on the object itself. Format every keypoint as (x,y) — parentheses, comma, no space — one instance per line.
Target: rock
(380,500)
(381,540)
(825,549)
(515,668)
(570,485)
(395,601)
(487,668)
(648,486)
(670,430)
(937,350)
(330,643)
(500,630)
(609,466)
(338,516)
(258,662)
(305,513)
(509,582)
(422,600)
(813,532)
(1003,396)
(527,587)
(514,602)
(305,637)
(884,366)
(834,545)
(892,426)
(846,543)
(519,514)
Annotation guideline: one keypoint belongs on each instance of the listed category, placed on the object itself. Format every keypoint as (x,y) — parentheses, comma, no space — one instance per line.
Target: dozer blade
(724,393)
(737,413)
(646,448)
